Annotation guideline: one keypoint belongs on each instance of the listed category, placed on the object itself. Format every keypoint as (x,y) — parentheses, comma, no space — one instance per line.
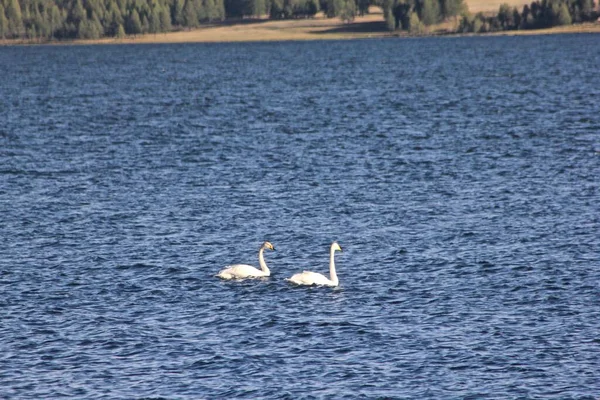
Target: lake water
(459,175)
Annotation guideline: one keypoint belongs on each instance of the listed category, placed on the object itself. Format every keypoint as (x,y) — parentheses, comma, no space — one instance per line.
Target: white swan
(242,271)
(313,278)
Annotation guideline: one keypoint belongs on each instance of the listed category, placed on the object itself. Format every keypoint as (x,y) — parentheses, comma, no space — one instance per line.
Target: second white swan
(242,271)
(314,278)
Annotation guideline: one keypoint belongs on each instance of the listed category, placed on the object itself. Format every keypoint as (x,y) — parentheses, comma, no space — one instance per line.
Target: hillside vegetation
(55,20)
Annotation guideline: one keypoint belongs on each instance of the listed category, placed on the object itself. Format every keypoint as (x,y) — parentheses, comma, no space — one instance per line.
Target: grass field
(371,25)
(485,6)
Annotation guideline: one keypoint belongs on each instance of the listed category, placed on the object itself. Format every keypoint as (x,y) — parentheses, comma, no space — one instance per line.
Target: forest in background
(415,15)
(93,19)
(538,15)
(47,20)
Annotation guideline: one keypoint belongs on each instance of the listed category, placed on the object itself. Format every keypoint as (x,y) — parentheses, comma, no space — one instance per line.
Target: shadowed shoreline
(357,27)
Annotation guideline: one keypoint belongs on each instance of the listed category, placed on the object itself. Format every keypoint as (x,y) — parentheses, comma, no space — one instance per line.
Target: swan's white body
(314,278)
(243,271)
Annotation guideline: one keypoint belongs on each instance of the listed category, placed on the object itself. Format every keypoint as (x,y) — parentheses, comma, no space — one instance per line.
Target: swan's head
(335,246)
(268,245)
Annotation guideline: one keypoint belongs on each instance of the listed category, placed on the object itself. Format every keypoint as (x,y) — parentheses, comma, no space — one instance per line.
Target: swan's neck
(333,275)
(261,261)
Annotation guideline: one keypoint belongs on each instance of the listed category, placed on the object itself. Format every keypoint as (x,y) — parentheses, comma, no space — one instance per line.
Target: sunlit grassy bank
(250,30)
(371,25)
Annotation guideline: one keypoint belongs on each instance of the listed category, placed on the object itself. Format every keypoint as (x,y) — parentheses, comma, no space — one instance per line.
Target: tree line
(93,19)
(412,15)
(538,15)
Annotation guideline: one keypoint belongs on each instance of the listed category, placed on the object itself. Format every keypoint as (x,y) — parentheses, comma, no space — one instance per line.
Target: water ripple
(460,180)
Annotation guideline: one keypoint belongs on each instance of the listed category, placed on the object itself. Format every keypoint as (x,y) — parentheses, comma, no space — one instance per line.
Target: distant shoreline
(320,28)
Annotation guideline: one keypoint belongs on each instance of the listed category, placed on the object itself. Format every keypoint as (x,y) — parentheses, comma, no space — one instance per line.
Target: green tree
(200,10)
(154,20)
(402,12)
(122,4)
(165,20)
(430,12)
(348,11)
(145,22)
(258,7)
(209,9)
(563,16)
(524,16)
(414,25)
(178,17)
(470,23)
(516,18)
(3,23)
(288,8)
(97,27)
(16,28)
(41,23)
(312,7)
(478,25)
(31,33)
(115,19)
(276,9)
(134,24)
(89,29)
(190,16)
(334,7)
(505,16)
(237,8)
(96,8)
(452,8)
(219,10)
(466,23)
(120,32)
(55,20)
(388,15)
(78,13)
(25,17)
(363,7)
(586,9)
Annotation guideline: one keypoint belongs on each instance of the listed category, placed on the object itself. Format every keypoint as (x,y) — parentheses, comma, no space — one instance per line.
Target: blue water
(459,175)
